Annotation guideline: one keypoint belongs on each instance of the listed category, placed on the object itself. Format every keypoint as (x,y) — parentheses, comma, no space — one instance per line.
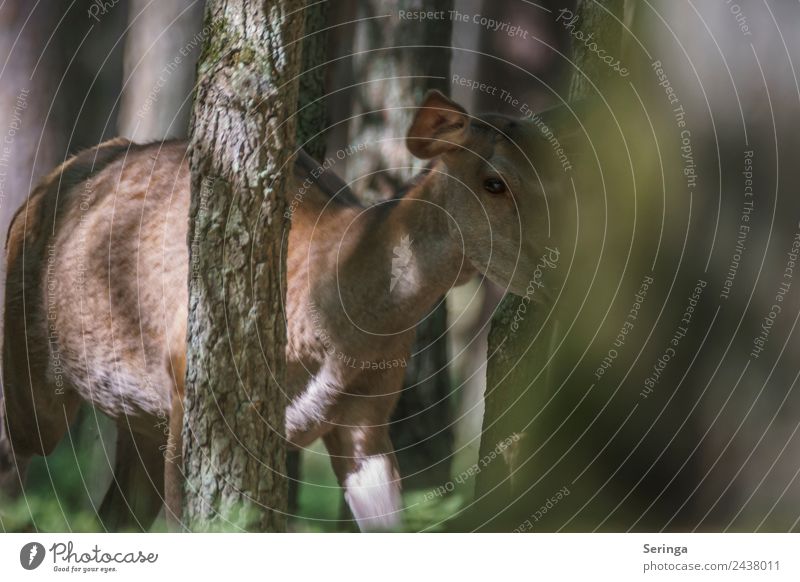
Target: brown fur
(96,299)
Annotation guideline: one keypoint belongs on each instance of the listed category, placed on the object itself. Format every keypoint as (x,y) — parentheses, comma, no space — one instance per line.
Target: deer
(97,293)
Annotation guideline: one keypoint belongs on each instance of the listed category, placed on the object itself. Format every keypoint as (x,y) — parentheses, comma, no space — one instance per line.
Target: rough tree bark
(242,136)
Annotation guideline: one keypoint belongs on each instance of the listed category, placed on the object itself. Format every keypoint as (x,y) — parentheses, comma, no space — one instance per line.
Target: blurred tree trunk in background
(31,142)
(522,344)
(392,83)
(92,51)
(339,75)
(394,80)
(422,423)
(312,118)
(243,132)
(546,70)
(599,18)
(161,48)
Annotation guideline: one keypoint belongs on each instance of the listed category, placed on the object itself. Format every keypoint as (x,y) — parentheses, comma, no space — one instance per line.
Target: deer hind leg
(35,414)
(173,455)
(12,466)
(136,493)
(365,465)
(173,461)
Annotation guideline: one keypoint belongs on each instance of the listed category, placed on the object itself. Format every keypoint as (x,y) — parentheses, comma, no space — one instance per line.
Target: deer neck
(406,257)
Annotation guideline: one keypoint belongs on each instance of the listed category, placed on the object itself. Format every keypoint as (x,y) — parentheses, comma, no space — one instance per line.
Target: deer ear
(439,125)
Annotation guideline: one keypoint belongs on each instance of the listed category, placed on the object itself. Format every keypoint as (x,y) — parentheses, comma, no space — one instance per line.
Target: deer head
(492,188)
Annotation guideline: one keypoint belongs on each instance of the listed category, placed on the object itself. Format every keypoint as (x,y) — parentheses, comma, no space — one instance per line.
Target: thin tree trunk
(518,378)
(161,49)
(242,136)
(312,112)
(25,97)
(422,425)
(599,18)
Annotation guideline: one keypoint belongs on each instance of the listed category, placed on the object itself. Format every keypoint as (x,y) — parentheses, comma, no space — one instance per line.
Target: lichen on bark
(243,133)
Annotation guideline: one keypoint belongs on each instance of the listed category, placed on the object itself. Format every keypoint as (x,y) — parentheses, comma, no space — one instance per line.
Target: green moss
(218,42)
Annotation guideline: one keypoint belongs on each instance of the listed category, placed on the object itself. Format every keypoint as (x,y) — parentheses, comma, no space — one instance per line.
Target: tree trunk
(520,371)
(312,112)
(602,22)
(26,95)
(161,49)
(242,136)
(422,425)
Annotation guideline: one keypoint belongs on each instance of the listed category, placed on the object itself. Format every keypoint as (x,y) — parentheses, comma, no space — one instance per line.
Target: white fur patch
(309,409)
(373,494)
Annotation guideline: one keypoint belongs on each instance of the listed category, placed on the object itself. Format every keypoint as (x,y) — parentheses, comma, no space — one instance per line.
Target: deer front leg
(364,462)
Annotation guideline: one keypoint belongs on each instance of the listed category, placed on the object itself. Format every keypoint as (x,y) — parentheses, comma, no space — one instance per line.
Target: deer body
(96,305)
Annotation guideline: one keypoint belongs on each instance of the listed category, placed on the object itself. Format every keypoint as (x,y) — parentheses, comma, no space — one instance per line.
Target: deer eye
(494,185)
